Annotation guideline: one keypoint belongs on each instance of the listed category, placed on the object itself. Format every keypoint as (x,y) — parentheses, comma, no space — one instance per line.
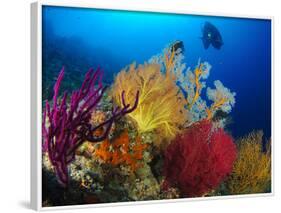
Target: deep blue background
(114,39)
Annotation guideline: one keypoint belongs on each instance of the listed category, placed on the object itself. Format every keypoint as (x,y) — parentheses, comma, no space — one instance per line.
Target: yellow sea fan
(252,170)
(161,105)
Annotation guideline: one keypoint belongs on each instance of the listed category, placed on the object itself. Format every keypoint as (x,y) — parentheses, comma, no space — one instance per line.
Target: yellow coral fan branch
(169,61)
(161,106)
(252,169)
(214,107)
(198,72)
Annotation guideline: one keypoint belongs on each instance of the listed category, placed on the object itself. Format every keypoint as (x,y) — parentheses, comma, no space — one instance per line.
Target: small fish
(211,35)
(177,45)
(219,115)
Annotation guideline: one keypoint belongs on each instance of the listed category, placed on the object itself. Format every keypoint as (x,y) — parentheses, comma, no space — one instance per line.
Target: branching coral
(169,61)
(222,98)
(65,128)
(199,160)
(120,151)
(192,83)
(252,169)
(161,105)
(195,85)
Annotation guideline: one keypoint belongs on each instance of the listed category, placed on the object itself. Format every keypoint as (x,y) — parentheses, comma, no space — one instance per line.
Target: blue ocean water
(79,38)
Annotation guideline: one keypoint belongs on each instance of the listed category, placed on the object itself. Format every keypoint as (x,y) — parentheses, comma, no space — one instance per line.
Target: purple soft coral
(65,128)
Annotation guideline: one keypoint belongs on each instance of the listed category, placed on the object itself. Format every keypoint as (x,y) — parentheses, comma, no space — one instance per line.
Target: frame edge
(36,203)
(34,20)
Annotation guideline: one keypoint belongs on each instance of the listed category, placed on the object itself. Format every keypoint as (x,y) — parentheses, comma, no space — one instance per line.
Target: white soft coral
(221,96)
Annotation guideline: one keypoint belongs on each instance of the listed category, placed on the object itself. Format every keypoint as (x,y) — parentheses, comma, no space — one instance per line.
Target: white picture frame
(36,100)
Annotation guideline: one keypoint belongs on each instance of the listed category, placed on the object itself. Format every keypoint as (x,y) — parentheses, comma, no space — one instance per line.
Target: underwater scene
(153,106)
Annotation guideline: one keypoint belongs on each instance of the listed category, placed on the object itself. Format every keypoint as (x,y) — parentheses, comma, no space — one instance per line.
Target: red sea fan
(199,160)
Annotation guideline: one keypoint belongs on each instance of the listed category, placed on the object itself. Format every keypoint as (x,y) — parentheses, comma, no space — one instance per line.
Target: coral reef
(191,84)
(170,60)
(151,136)
(144,186)
(161,106)
(199,160)
(66,128)
(124,163)
(222,98)
(121,151)
(252,169)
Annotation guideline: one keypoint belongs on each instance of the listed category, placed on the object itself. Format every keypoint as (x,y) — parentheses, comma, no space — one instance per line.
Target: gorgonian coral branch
(222,99)
(169,61)
(65,127)
(158,96)
(252,169)
(198,72)
(199,159)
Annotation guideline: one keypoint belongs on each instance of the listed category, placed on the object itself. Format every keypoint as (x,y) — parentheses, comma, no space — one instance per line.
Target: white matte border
(36,99)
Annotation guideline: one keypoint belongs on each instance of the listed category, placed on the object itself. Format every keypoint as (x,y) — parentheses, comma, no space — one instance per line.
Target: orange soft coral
(120,151)
(161,105)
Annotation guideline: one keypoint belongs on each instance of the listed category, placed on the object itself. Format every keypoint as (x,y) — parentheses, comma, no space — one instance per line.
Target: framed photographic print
(140,106)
